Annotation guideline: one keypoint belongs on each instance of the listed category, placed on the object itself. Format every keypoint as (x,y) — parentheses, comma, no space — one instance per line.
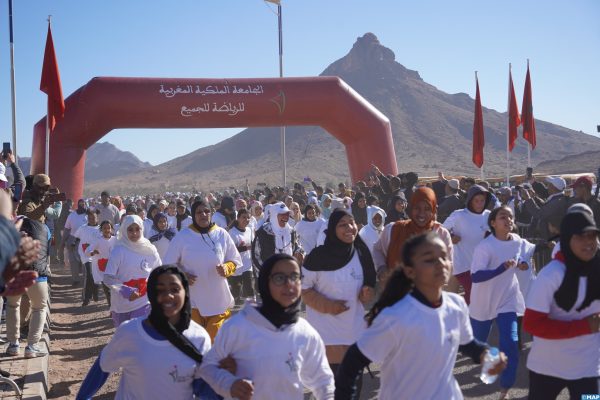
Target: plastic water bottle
(491,358)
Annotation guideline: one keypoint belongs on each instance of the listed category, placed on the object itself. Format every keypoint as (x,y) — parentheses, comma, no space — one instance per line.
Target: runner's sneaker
(13,349)
(35,350)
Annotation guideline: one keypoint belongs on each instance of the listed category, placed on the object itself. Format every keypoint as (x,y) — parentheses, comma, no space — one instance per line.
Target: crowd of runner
(391,270)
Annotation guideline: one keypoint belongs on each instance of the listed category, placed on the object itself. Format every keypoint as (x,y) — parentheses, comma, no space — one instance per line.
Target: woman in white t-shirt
(276,351)
(258,217)
(207,254)
(467,228)
(130,262)
(308,229)
(563,315)
(158,356)
(371,232)
(161,233)
(242,235)
(495,292)
(338,280)
(415,330)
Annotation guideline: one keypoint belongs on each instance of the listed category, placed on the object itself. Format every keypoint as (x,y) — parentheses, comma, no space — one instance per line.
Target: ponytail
(396,288)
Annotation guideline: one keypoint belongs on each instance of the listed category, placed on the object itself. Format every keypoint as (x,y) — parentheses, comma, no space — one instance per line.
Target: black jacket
(263,245)
(38,231)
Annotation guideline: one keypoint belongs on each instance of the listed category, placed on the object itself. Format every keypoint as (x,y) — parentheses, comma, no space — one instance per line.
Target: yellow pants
(211,323)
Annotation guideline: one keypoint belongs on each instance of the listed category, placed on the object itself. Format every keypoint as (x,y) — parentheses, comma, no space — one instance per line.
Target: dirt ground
(78,334)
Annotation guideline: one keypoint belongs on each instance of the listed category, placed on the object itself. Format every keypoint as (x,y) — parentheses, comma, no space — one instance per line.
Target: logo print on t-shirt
(102,264)
(290,363)
(177,378)
(139,284)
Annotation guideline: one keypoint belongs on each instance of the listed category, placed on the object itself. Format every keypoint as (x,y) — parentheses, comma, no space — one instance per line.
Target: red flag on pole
(513,114)
(527,109)
(478,139)
(50,83)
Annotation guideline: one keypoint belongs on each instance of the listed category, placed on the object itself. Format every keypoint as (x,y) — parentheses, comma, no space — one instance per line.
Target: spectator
(108,211)
(582,189)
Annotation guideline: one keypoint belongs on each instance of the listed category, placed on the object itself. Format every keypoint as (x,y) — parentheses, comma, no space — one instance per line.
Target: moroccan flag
(478,139)
(50,83)
(513,114)
(527,109)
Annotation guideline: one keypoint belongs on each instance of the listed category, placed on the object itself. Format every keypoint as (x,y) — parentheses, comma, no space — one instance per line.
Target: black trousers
(90,289)
(544,387)
(241,286)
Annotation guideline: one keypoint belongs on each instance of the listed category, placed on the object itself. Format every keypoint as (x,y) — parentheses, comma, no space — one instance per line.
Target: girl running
(495,294)
(415,330)
(161,233)
(129,264)
(275,350)
(242,235)
(99,250)
(159,355)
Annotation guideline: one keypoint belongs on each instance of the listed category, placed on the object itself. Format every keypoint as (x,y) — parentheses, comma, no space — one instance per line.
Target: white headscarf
(143,245)
(283,235)
(371,212)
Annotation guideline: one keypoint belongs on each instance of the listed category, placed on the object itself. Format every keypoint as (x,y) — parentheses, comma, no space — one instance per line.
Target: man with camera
(41,201)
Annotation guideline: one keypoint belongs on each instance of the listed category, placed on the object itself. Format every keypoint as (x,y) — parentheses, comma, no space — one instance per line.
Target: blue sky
(445,41)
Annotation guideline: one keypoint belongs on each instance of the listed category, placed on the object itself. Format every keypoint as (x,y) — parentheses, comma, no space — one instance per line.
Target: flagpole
(508,131)
(282,129)
(47,153)
(12,81)
(528,144)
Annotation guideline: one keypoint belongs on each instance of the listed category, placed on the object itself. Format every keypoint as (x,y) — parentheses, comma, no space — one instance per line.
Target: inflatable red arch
(107,103)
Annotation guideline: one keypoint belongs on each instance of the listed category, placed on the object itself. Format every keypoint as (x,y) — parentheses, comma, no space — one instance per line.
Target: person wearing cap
(182,218)
(451,202)
(505,196)
(555,205)
(108,211)
(35,205)
(563,315)
(276,236)
(582,193)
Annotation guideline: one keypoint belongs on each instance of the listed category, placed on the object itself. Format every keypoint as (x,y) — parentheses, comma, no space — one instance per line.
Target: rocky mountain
(104,161)
(588,161)
(432,131)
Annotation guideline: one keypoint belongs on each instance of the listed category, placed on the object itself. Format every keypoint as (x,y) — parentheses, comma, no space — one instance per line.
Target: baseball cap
(583,181)
(557,182)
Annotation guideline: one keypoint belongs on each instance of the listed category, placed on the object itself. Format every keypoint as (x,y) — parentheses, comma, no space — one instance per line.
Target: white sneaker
(35,350)
(13,349)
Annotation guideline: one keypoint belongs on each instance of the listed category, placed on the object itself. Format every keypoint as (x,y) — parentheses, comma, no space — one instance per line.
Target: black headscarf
(174,334)
(335,254)
(181,218)
(197,227)
(360,214)
(167,232)
(566,295)
(81,210)
(150,209)
(271,309)
(394,215)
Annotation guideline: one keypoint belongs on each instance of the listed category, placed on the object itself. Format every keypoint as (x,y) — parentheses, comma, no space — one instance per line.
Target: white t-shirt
(130,269)
(100,260)
(307,233)
(370,236)
(471,228)
(243,239)
(342,284)
(152,369)
(147,227)
(161,245)
(74,221)
(86,235)
(574,358)
(219,219)
(416,346)
(526,277)
(278,361)
(199,255)
(500,294)
(172,221)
